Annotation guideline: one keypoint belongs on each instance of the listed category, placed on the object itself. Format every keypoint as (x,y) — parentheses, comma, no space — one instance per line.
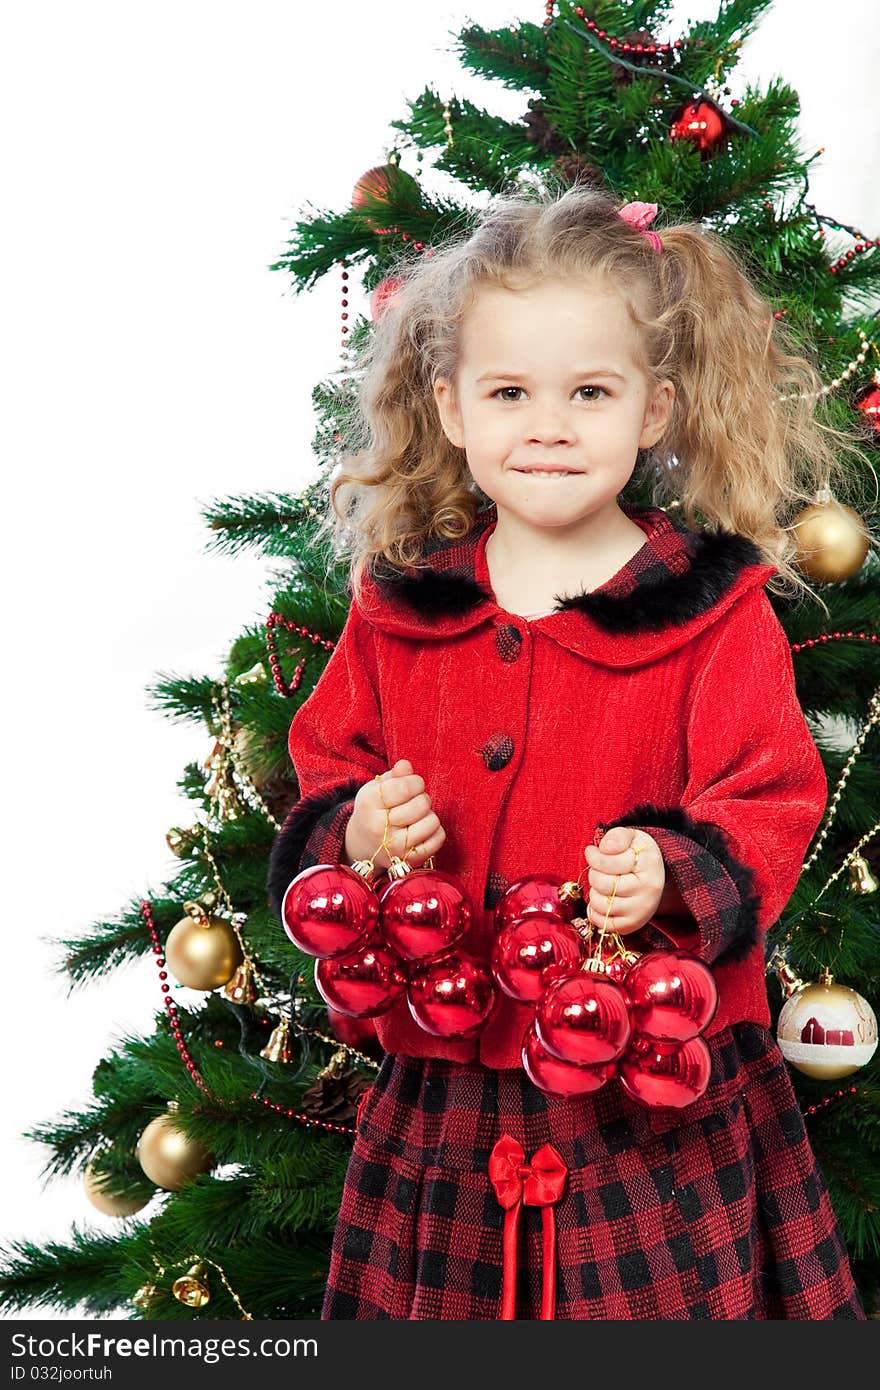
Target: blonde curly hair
(742,450)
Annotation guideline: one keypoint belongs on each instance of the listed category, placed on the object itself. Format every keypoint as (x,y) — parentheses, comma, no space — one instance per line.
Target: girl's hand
(638,894)
(414,831)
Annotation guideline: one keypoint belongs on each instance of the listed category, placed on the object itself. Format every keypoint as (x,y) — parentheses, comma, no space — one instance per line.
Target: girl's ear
(447,409)
(657,415)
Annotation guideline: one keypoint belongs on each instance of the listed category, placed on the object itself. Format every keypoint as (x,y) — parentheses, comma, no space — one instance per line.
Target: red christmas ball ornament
(584,1018)
(702,123)
(534,893)
(868,403)
(363,983)
(328,909)
(385,184)
(451,997)
(551,973)
(672,995)
(423,914)
(666,1074)
(558,1078)
(382,296)
(356,1032)
(525,950)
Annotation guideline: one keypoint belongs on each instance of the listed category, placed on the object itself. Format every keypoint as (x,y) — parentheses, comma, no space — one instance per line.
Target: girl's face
(548,376)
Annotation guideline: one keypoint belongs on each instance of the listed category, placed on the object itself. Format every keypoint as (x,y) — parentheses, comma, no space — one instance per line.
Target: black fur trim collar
(433,592)
(661,597)
(716,560)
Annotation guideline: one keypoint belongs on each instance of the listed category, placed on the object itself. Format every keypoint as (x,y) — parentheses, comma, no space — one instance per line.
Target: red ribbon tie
(536,1184)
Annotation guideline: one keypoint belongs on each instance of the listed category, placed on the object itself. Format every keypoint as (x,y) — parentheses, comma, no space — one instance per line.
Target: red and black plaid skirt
(470,1194)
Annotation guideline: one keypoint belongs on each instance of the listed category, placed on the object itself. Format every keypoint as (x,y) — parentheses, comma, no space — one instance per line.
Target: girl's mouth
(547,472)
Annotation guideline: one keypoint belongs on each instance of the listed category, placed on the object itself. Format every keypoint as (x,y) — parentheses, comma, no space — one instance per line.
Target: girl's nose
(549,427)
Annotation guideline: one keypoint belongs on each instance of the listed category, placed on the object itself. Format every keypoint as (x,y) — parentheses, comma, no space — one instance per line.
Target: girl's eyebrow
(517,376)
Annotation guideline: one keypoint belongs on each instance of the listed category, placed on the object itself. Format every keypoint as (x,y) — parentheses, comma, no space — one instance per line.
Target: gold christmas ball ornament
(98,1193)
(144,1297)
(192,1288)
(831,540)
(202,951)
(827,1030)
(169,1157)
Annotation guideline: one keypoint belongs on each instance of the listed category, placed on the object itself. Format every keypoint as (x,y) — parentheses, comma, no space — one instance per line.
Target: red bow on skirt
(536,1184)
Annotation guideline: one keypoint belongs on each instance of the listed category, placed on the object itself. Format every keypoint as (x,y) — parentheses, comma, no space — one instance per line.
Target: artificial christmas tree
(242,1108)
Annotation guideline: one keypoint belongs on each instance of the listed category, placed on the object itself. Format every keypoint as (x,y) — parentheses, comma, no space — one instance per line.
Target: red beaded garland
(828,1100)
(170,1007)
(863,243)
(832,636)
(614,42)
(274,621)
(303,1118)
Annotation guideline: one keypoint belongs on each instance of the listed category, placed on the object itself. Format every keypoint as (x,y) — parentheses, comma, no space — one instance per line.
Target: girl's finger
(600,909)
(602,918)
(627,886)
(621,863)
(397,791)
(423,839)
(407,812)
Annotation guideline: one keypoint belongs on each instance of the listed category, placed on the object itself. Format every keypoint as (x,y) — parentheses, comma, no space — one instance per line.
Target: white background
(154,159)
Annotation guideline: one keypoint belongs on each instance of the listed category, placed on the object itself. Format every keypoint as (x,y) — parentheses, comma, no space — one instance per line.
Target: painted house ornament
(827,1030)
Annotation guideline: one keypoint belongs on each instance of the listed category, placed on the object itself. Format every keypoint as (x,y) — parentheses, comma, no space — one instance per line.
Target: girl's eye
(502,389)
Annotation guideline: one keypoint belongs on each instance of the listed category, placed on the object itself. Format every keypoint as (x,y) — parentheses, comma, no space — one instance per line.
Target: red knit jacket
(665,699)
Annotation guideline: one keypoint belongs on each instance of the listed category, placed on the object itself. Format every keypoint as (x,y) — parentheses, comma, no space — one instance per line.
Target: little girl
(538,676)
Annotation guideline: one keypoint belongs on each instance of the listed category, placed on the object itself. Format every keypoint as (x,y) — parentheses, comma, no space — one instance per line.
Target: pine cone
(572,169)
(334,1095)
(540,131)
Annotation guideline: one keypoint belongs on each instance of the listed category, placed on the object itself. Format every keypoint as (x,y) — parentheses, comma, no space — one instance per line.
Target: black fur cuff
(286,856)
(718,888)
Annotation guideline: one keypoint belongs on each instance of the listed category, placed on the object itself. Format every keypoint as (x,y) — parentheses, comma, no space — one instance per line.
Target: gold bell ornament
(277,1049)
(241,988)
(100,1196)
(825,1030)
(182,842)
(831,540)
(203,951)
(192,1288)
(144,1297)
(861,880)
(169,1157)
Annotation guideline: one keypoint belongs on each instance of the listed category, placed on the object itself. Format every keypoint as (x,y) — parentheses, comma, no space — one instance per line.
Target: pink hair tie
(641,215)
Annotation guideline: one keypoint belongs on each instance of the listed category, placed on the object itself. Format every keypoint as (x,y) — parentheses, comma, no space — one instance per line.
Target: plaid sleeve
(755,793)
(336,745)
